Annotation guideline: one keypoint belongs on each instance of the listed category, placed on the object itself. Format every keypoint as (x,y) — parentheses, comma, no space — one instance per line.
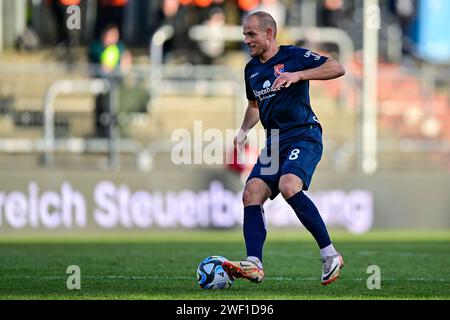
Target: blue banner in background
(433,31)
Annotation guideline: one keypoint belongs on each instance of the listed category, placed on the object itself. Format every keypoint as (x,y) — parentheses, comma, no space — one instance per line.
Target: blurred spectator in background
(167,15)
(214,46)
(405,12)
(67,40)
(340,14)
(169,10)
(110,60)
(204,8)
(331,13)
(182,15)
(109,12)
(109,53)
(276,9)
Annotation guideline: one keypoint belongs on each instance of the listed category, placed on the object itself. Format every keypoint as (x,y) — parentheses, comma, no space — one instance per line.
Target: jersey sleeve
(248,89)
(307,59)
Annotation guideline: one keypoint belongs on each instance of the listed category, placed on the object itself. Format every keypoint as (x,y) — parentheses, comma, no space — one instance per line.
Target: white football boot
(331,268)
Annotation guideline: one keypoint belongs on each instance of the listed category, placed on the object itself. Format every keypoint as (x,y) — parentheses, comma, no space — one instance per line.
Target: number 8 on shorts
(294,154)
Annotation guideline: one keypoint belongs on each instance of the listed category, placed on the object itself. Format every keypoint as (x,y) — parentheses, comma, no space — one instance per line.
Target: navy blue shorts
(298,156)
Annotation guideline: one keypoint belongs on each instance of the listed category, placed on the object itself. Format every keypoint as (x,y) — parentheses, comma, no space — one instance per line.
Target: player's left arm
(330,69)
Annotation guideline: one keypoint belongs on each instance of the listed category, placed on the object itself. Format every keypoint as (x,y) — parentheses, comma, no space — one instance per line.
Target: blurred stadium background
(82,148)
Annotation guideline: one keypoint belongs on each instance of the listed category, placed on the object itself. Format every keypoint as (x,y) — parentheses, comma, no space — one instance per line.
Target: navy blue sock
(254,230)
(309,216)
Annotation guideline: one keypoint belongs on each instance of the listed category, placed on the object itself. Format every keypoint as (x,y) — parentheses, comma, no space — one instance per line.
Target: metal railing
(94,86)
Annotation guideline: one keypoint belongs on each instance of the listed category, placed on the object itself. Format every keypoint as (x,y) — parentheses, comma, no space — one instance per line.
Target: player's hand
(285,80)
(239,140)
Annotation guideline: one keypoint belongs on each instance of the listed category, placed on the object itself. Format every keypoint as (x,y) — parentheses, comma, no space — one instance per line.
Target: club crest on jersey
(278,70)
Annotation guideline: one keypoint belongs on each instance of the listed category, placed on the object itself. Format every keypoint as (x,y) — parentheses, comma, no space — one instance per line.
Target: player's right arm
(251,118)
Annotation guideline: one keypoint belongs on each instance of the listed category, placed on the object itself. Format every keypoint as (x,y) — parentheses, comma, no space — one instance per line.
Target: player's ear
(269,33)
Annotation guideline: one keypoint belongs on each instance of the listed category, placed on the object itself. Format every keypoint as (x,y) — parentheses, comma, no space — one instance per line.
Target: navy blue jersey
(286,109)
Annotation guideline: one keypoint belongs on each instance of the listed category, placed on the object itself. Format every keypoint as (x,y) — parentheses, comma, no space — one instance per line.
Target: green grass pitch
(162,265)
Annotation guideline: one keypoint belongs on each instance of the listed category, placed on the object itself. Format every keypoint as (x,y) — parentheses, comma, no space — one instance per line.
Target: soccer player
(277,86)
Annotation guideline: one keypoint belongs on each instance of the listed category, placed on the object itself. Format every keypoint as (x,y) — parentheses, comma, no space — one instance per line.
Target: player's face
(256,38)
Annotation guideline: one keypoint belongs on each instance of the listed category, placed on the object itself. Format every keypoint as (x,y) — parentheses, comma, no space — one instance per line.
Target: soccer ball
(211,275)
